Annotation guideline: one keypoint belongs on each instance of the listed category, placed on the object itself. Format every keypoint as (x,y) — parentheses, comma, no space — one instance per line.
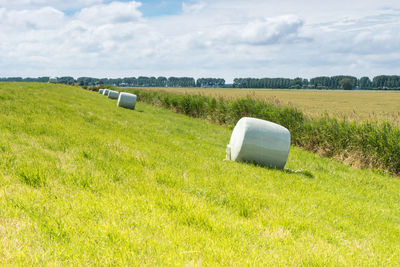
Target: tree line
(322,82)
(382,82)
(140,81)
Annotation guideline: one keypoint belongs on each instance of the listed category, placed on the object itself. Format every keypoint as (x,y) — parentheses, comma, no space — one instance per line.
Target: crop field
(353,105)
(83,182)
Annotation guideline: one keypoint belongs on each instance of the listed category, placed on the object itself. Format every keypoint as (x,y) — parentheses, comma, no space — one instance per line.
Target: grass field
(354,105)
(86,183)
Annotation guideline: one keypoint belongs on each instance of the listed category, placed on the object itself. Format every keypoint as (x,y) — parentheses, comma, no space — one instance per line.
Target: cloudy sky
(199,38)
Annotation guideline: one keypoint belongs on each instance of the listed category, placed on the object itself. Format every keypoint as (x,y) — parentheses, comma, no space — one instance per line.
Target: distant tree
(346,84)
(66,80)
(365,83)
(335,81)
(320,82)
(162,81)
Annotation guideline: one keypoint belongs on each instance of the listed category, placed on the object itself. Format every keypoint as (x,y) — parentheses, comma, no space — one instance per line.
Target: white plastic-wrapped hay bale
(53,80)
(101,91)
(127,100)
(113,94)
(105,92)
(259,141)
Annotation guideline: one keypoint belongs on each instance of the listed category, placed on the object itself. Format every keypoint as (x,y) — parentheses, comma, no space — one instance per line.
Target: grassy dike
(86,183)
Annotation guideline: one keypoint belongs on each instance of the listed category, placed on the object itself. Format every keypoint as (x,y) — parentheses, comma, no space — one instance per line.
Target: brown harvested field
(354,105)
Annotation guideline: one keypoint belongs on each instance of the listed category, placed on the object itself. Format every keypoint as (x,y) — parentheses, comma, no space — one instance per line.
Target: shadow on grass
(302,172)
(306,173)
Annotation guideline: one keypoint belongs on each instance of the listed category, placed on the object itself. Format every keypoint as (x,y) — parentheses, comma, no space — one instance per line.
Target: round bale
(259,141)
(113,94)
(101,91)
(126,100)
(105,92)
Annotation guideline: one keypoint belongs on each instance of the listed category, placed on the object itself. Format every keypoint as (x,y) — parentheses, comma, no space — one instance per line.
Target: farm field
(354,105)
(83,182)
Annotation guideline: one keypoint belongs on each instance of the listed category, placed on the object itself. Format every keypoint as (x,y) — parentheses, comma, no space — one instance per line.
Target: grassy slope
(354,105)
(83,181)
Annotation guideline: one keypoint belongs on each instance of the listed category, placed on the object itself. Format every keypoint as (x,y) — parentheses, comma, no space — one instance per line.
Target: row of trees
(19,79)
(270,83)
(210,82)
(323,82)
(141,81)
(333,82)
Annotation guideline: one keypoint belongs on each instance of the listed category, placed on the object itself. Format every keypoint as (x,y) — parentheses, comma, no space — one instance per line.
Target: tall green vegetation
(365,144)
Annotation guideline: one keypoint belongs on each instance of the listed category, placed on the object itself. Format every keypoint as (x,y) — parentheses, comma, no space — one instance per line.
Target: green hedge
(368,144)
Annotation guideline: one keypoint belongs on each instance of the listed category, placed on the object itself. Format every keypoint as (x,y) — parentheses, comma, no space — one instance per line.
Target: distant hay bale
(259,141)
(53,80)
(105,92)
(127,100)
(101,91)
(113,94)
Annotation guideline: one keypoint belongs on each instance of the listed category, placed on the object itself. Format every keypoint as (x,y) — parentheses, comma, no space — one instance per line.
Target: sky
(199,38)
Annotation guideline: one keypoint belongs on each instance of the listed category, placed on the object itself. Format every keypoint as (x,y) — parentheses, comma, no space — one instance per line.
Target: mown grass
(372,106)
(86,183)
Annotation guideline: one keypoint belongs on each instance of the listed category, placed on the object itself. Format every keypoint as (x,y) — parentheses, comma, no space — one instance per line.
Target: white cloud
(193,7)
(58,4)
(240,38)
(115,12)
(271,30)
(56,43)
(42,18)
(209,38)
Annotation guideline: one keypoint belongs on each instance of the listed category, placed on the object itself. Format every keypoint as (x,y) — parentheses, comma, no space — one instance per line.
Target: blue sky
(153,8)
(149,8)
(199,38)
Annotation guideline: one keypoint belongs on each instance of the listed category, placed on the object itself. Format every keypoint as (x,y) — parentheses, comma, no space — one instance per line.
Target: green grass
(86,183)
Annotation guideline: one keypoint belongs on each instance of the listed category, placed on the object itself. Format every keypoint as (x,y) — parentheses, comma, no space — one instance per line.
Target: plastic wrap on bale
(101,91)
(105,92)
(259,141)
(127,100)
(113,94)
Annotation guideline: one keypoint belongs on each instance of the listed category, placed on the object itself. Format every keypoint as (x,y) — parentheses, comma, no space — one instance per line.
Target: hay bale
(113,94)
(259,141)
(127,100)
(101,91)
(105,92)
(53,80)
